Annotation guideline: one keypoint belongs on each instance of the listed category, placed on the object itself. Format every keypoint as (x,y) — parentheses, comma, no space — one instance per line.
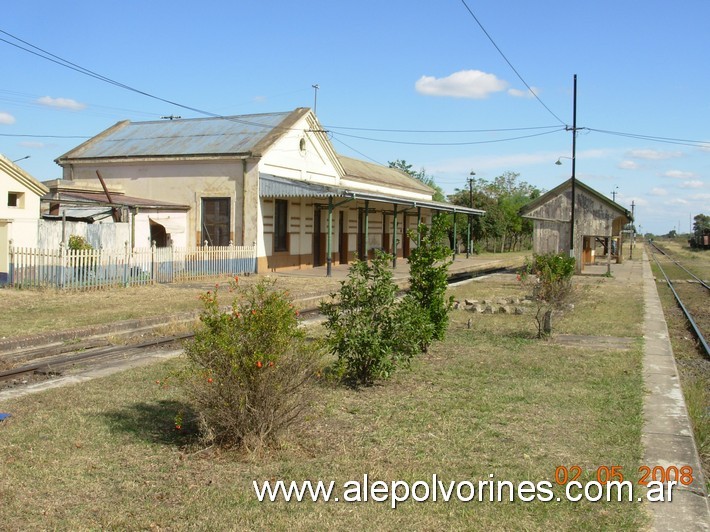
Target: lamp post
(470,204)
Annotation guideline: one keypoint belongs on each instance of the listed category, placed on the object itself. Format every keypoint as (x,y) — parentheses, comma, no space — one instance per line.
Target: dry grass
(39,311)
(488,400)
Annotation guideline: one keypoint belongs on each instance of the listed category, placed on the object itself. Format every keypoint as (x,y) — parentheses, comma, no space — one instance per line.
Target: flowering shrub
(549,279)
(247,368)
(369,331)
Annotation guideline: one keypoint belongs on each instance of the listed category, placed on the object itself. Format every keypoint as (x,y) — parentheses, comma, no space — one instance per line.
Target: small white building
(20,195)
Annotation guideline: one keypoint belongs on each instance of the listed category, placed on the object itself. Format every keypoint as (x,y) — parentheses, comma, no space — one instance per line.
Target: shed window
(14,199)
(281,225)
(216,221)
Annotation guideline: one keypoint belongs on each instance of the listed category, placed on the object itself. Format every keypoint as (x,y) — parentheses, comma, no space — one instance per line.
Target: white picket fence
(99,268)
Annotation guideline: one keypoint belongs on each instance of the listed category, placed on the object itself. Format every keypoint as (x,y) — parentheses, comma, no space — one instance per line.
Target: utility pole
(613,194)
(470,204)
(574,162)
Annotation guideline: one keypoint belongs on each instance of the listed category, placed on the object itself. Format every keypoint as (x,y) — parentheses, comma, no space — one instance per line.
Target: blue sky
(391,65)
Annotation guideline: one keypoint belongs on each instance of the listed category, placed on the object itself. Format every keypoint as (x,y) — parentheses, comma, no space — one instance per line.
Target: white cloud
(656,191)
(700,197)
(6,118)
(692,184)
(678,201)
(679,174)
(61,103)
(260,99)
(654,155)
(30,144)
(628,165)
(517,93)
(463,84)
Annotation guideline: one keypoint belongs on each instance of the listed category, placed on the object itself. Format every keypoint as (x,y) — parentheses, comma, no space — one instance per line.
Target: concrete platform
(667,435)
(460,265)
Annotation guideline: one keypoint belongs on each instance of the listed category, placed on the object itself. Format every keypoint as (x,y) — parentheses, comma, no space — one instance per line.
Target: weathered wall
(100,236)
(551,227)
(183,183)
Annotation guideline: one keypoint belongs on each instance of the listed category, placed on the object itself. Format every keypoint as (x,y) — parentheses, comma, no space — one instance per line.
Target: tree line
(501,228)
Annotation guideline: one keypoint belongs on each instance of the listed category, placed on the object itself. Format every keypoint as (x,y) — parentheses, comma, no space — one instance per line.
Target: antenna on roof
(171,117)
(315,97)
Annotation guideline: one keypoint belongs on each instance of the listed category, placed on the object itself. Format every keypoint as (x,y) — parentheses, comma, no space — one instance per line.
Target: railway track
(55,365)
(690,291)
(50,361)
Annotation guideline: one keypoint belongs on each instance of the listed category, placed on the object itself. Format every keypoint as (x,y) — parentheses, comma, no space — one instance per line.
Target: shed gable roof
(528,211)
(248,135)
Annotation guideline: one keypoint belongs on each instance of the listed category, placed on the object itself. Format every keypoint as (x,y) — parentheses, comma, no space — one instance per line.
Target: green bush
(428,275)
(549,279)
(77,242)
(248,368)
(370,332)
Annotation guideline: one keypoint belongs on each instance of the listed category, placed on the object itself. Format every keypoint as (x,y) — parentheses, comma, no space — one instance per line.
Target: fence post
(206,258)
(62,264)
(125,263)
(11,268)
(153,272)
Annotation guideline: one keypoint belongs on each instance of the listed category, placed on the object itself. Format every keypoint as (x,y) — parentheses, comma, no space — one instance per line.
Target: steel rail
(677,263)
(56,363)
(687,313)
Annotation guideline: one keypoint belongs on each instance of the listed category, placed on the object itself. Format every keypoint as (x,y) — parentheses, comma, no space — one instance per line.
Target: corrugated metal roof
(279,187)
(357,170)
(77,213)
(194,136)
(116,200)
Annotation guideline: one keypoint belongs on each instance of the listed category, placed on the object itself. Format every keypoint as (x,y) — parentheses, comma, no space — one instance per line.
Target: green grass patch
(487,400)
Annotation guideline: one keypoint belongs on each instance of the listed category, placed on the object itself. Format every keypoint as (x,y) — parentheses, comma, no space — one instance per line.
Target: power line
(509,63)
(46,136)
(449,143)
(444,131)
(358,152)
(665,140)
(87,72)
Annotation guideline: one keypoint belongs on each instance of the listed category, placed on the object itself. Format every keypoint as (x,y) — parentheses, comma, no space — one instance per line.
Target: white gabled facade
(20,195)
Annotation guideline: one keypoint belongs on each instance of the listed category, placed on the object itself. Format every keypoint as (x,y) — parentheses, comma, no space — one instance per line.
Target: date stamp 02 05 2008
(682,475)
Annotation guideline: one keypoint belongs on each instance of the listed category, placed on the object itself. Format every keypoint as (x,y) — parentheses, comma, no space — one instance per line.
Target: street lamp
(470,204)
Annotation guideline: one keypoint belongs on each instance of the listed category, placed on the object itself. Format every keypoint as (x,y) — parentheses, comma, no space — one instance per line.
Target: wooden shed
(598,223)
